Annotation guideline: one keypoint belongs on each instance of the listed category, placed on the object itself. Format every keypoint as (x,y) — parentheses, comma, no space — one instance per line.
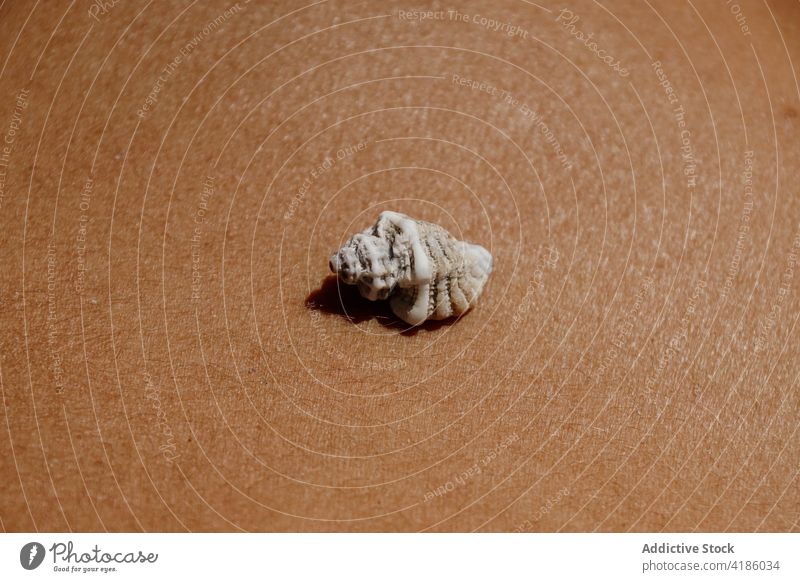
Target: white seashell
(423,271)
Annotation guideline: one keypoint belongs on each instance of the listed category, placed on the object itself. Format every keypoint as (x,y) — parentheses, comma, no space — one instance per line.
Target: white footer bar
(400,557)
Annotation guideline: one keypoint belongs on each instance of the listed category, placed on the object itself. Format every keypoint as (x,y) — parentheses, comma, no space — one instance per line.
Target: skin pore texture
(175,354)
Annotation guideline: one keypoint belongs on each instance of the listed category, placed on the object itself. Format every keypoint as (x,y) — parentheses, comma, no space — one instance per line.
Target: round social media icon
(31,555)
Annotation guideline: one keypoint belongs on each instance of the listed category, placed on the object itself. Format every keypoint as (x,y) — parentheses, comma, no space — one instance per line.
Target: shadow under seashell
(336,298)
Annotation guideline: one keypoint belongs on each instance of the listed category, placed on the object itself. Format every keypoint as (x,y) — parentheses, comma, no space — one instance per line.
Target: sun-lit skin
(176,353)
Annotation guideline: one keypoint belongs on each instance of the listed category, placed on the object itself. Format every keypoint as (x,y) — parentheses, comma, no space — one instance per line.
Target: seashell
(418,266)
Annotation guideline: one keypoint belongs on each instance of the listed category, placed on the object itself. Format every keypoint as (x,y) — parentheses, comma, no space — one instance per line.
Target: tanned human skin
(175,354)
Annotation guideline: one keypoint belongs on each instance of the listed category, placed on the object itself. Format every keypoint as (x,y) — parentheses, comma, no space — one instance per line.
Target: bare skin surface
(174,355)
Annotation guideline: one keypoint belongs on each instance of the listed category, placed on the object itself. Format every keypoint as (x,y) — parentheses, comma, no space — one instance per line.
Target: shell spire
(423,271)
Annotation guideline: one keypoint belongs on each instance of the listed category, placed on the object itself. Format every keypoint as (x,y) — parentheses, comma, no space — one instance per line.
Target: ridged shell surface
(423,271)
